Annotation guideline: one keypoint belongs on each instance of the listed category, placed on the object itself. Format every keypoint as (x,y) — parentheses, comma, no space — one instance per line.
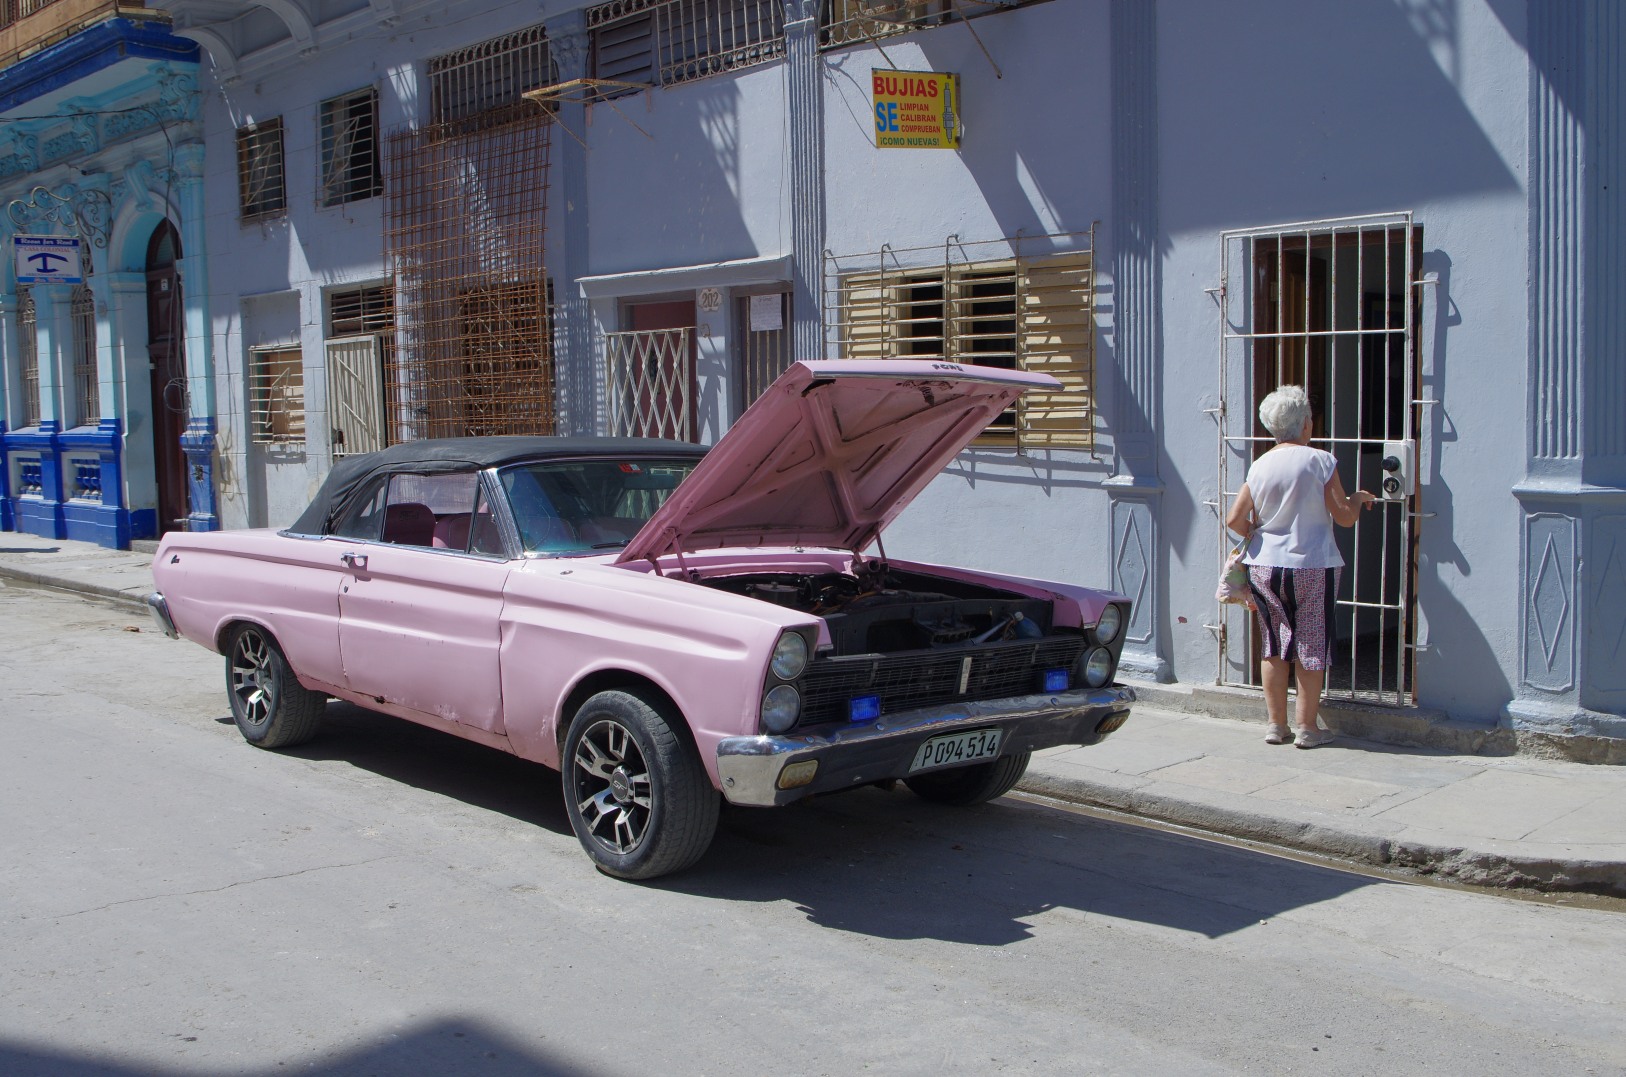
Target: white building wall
(1035,160)
(1260,127)
(311,250)
(1268,113)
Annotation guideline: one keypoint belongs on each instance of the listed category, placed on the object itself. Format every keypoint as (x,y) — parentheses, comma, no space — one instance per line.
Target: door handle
(353,559)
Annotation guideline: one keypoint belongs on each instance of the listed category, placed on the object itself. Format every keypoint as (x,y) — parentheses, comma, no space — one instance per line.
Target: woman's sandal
(1279,734)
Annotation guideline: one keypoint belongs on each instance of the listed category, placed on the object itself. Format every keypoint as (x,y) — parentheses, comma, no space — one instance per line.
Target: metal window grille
(261,188)
(28,359)
(86,383)
(649,381)
(349,148)
(485,83)
(665,42)
(848,22)
(370,309)
(464,233)
(1014,312)
(277,396)
(12,10)
(1332,306)
(766,349)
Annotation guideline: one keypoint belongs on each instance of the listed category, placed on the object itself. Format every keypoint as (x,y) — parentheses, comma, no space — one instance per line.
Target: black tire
(638,797)
(271,708)
(976,784)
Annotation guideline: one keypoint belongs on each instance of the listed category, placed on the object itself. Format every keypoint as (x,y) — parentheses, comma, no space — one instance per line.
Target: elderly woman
(1285,513)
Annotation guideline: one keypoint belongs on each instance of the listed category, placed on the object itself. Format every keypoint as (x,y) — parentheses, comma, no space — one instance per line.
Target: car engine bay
(879,610)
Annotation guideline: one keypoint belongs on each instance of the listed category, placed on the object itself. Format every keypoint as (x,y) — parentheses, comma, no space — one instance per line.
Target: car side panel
(289,585)
(419,628)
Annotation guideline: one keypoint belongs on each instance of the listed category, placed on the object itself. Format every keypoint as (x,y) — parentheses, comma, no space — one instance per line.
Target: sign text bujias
(916,110)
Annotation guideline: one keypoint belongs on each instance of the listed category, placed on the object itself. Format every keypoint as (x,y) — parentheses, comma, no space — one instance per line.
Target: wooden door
(166,352)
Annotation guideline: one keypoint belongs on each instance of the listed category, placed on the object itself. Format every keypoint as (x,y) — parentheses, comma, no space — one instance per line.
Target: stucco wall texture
(1272,112)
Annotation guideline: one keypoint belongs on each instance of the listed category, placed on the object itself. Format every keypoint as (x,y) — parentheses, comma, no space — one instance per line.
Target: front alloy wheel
(638,798)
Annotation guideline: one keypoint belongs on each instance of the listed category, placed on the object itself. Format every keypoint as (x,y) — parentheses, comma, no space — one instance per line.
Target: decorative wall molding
(805,104)
(1135,491)
(1607,598)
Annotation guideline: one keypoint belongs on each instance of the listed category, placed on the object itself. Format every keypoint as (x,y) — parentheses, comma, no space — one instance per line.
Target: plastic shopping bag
(1233,585)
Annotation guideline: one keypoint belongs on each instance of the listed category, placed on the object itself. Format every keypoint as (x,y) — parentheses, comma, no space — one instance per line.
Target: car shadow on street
(440,763)
(885,864)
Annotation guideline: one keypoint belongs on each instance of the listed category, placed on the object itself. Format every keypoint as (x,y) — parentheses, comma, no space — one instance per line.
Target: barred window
(87,385)
(277,395)
(349,148)
(664,42)
(261,189)
(1019,313)
(353,311)
(848,22)
(485,83)
(28,358)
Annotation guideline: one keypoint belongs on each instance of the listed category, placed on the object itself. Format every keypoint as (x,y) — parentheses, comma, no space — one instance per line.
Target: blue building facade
(1172,206)
(106,367)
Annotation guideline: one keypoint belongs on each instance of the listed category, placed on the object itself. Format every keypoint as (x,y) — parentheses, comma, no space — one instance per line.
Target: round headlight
(789,656)
(1112,619)
(1098,667)
(780,708)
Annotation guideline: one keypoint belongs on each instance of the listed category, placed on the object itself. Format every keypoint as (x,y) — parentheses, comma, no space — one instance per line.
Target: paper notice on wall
(767,313)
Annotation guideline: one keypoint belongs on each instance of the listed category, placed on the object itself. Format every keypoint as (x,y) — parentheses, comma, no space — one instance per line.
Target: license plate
(957,749)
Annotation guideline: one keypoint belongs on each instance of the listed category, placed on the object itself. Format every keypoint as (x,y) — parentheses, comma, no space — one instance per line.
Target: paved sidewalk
(1513,821)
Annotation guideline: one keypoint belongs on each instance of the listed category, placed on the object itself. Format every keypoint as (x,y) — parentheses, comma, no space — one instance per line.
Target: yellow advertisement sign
(916,110)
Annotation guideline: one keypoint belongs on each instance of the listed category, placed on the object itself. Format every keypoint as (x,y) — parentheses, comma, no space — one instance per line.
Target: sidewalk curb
(54,582)
(1232,816)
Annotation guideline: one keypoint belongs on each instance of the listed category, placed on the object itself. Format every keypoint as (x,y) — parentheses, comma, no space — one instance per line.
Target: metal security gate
(649,382)
(355,395)
(763,324)
(1332,305)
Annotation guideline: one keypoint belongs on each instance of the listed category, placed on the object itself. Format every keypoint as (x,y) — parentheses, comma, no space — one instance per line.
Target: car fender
(565,620)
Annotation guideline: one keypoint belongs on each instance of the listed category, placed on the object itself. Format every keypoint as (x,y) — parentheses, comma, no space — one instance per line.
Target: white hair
(1285,412)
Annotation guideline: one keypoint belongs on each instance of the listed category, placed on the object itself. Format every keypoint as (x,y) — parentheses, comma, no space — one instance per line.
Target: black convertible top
(463,454)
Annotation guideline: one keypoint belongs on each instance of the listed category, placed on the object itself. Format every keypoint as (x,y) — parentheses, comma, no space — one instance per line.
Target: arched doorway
(166,348)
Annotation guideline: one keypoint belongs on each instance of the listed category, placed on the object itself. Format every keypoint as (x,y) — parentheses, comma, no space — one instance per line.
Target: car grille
(913,679)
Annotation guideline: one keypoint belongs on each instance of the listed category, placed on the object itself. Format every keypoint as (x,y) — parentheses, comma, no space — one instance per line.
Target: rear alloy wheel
(638,798)
(271,708)
(975,784)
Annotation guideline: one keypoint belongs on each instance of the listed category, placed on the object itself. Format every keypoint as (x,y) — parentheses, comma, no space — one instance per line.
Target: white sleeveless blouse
(1295,530)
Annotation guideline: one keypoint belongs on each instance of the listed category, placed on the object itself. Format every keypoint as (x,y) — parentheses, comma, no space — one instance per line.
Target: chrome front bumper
(160,614)
(750,767)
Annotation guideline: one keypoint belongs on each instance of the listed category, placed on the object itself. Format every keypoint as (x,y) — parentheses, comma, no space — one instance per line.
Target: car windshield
(582,505)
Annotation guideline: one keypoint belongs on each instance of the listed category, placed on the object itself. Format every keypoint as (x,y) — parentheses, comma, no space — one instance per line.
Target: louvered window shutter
(1057,334)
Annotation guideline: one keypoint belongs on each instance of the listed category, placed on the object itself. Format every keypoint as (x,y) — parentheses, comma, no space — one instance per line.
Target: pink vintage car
(667,626)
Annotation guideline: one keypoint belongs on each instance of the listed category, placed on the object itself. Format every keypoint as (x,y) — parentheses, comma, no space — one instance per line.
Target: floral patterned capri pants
(1294,607)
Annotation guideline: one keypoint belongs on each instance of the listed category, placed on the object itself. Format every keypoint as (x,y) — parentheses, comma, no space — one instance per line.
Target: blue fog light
(1055,680)
(864,708)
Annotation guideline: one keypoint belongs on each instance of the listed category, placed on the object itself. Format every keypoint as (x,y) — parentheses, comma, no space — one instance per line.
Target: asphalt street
(391,900)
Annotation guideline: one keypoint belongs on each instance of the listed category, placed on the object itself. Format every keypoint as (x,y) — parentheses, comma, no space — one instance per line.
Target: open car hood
(830,454)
